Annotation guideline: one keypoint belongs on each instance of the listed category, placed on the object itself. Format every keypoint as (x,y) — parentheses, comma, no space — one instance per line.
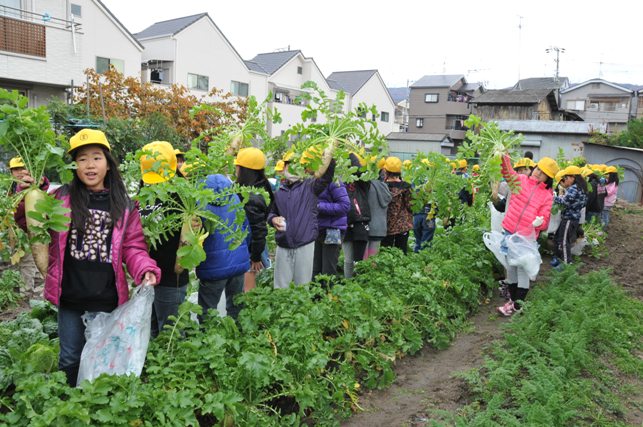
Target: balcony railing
(24,32)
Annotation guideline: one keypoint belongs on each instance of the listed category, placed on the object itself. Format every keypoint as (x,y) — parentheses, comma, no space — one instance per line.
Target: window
(102,64)
(576,105)
(430,97)
(76,10)
(300,70)
(373,117)
(198,82)
(239,88)
(419,122)
(384,116)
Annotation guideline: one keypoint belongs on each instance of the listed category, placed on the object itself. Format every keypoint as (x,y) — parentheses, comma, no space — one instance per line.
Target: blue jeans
(71,331)
(210,293)
(605,216)
(167,300)
(423,230)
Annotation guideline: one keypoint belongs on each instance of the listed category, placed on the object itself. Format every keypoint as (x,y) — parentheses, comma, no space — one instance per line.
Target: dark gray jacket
(379,196)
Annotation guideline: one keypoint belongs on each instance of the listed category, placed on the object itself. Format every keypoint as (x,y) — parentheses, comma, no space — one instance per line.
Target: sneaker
(504,291)
(507,310)
(555,262)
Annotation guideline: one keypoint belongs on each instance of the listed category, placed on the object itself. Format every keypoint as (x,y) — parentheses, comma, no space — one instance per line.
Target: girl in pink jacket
(85,272)
(527,214)
(612,190)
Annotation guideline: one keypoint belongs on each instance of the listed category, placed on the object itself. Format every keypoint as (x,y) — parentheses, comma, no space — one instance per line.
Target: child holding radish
(527,215)
(160,164)
(573,200)
(23,181)
(85,272)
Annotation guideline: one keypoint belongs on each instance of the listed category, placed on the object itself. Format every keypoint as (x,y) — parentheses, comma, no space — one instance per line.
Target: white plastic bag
(554,222)
(523,252)
(578,247)
(117,341)
(496,218)
(493,242)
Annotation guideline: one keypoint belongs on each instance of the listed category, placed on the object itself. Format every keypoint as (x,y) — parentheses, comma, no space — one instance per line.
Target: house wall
(99,36)
(588,93)
(215,59)
(434,114)
(408,148)
(548,145)
(374,93)
(631,160)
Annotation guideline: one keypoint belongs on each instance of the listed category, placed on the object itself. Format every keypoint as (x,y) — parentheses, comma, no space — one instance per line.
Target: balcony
(458,97)
(25,32)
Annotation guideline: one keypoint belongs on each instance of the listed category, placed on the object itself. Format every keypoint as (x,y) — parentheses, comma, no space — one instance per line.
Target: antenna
(519,43)
(558,51)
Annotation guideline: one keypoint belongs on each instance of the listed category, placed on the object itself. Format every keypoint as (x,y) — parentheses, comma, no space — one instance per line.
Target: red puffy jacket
(533,200)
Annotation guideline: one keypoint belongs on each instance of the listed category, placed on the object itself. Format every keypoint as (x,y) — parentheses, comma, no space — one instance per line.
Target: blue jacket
(333,206)
(573,202)
(221,262)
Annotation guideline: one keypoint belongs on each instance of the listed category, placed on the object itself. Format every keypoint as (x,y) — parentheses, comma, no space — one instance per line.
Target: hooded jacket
(534,199)
(221,262)
(333,206)
(127,246)
(573,201)
(297,203)
(379,197)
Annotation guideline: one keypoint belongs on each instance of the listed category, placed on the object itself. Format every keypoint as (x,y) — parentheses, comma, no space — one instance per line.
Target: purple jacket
(297,203)
(128,246)
(333,207)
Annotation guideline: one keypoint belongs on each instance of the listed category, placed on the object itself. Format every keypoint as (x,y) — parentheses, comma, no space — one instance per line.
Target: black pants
(400,241)
(326,256)
(565,237)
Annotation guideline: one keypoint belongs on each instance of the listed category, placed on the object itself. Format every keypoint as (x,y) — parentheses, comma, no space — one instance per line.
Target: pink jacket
(128,246)
(612,190)
(533,200)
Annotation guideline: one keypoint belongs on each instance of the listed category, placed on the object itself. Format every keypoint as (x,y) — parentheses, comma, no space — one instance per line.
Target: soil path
(425,383)
(426,379)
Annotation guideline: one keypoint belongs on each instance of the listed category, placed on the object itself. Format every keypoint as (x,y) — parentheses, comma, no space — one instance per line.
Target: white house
(193,52)
(283,74)
(46,45)
(368,87)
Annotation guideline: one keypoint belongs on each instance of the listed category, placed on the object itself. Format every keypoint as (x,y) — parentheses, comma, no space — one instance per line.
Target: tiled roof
(542,83)
(349,81)
(398,93)
(271,62)
(512,96)
(445,80)
(169,27)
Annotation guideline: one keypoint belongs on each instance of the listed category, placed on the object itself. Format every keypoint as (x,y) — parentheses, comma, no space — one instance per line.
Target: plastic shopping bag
(523,252)
(116,342)
(493,242)
(496,218)
(554,222)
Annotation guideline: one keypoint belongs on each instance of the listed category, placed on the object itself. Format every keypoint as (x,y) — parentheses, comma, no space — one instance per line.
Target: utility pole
(558,51)
(519,43)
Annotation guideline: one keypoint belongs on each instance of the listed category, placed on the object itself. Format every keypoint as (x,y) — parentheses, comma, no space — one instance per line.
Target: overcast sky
(406,39)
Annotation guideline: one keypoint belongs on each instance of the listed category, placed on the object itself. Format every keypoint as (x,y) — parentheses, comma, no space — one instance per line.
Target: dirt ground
(425,383)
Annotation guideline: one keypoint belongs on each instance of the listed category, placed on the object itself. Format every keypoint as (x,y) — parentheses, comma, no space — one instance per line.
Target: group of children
(314,220)
(528,211)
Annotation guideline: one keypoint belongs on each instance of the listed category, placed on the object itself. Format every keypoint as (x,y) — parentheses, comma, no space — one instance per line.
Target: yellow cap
(453,165)
(407,164)
(251,158)
(572,170)
(548,166)
(361,160)
(559,175)
(178,152)
(476,168)
(393,165)
(426,162)
(381,162)
(611,169)
(288,156)
(16,162)
(310,154)
(279,167)
(160,164)
(585,171)
(462,163)
(88,137)
(525,162)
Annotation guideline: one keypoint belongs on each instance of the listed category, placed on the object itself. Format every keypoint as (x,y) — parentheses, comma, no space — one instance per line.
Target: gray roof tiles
(398,93)
(444,80)
(271,62)
(512,96)
(169,27)
(541,83)
(349,81)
